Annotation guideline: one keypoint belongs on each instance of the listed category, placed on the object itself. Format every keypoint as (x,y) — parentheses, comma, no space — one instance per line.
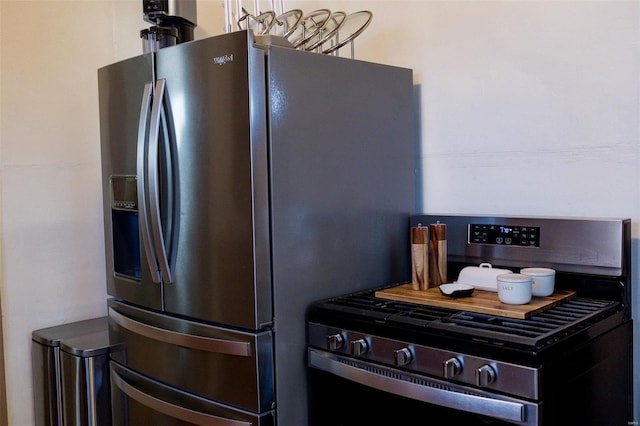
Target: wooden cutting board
(483,302)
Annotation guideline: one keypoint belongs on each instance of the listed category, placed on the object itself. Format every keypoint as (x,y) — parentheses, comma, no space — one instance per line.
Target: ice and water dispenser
(126,234)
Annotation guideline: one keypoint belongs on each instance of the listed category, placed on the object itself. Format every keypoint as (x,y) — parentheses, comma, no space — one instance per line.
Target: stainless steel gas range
(376,361)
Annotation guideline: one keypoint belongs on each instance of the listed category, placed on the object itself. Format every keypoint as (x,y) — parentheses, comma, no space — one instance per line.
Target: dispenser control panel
(124,193)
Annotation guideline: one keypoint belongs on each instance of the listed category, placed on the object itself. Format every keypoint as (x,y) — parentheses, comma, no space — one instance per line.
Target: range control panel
(509,235)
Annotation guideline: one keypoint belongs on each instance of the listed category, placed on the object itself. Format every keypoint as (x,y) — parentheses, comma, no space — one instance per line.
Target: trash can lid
(52,336)
(88,345)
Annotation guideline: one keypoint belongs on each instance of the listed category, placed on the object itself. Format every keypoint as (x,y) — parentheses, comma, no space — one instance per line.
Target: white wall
(52,267)
(526,107)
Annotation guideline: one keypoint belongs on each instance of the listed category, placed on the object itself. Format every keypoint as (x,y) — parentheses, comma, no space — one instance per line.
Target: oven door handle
(511,411)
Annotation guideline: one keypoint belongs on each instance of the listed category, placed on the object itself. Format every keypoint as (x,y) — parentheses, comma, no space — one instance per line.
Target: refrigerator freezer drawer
(229,366)
(139,400)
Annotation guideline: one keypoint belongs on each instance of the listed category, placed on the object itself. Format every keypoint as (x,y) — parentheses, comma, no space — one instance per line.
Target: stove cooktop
(573,319)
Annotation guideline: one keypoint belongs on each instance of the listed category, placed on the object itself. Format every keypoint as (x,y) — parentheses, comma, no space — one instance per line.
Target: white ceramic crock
(514,289)
(543,280)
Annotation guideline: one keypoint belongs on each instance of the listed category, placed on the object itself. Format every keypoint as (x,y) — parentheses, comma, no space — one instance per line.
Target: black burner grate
(369,306)
(534,332)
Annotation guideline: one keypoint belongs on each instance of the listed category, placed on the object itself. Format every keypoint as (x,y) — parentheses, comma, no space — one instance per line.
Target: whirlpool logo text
(221,60)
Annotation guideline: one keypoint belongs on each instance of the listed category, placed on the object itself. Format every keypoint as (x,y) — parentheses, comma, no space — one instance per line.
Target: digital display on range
(522,236)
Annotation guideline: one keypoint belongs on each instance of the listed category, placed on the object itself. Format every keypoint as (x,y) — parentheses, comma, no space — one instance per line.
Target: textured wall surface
(522,108)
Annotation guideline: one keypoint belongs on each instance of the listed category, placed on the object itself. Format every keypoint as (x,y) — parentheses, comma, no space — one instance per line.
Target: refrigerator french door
(243,179)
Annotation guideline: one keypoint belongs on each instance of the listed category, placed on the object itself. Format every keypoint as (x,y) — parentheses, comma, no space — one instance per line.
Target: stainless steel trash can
(71,374)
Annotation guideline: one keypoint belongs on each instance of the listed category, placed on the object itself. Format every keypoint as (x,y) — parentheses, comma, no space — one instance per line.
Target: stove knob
(485,375)
(359,347)
(451,368)
(335,342)
(402,357)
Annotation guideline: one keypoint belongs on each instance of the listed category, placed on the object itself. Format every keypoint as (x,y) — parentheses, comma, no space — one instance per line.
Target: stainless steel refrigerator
(242,180)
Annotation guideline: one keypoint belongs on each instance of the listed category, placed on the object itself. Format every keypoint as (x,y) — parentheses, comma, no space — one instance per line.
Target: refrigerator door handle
(190,341)
(154,185)
(141,180)
(172,410)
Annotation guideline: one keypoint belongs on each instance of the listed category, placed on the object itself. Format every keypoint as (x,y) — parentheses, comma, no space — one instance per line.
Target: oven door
(345,391)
